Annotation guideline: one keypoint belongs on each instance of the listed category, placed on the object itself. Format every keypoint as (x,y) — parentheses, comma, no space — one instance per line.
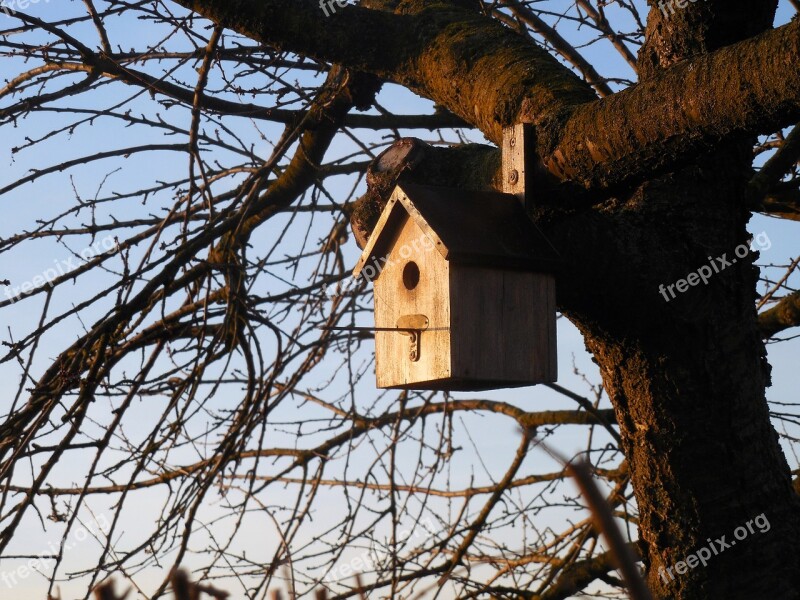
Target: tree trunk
(686,378)
(687,374)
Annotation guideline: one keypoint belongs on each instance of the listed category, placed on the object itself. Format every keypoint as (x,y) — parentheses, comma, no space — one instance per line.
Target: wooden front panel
(503,327)
(394,299)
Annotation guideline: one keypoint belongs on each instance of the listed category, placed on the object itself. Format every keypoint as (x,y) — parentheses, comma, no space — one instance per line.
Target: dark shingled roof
(468,227)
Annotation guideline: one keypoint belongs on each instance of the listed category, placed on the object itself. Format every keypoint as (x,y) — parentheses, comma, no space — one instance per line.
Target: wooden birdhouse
(464,292)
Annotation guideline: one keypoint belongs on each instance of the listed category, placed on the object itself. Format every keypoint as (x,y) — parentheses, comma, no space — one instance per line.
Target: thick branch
(777,167)
(746,88)
(691,107)
(782,316)
(501,75)
(783,201)
(584,572)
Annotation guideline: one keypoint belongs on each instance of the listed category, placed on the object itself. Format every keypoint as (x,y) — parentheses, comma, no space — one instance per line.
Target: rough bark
(687,381)
(782,316)
(782,200)
(687,376)
(492,77)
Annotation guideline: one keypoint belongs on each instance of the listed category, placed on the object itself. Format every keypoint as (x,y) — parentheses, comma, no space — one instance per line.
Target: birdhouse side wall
(397,294)
(503,326)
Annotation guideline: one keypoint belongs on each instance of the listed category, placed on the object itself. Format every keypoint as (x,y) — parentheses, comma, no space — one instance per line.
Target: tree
(639,185)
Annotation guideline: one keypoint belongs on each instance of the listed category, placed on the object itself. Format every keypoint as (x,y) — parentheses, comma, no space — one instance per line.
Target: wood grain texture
(430,297)
(519,152)
(488,328)
(489,325)
(503,327)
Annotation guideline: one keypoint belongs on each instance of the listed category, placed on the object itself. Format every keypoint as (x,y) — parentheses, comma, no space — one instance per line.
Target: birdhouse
(464,292)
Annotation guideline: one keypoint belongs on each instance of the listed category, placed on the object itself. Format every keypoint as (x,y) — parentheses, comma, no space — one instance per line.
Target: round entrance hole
(410,275)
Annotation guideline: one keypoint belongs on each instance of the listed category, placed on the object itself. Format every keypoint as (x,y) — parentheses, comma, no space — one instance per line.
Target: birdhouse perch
(464,289)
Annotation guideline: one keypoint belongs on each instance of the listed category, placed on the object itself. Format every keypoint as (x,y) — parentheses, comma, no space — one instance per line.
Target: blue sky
(491,442)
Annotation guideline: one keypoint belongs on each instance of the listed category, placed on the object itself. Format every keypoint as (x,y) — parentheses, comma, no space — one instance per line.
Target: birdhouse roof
(467,227)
